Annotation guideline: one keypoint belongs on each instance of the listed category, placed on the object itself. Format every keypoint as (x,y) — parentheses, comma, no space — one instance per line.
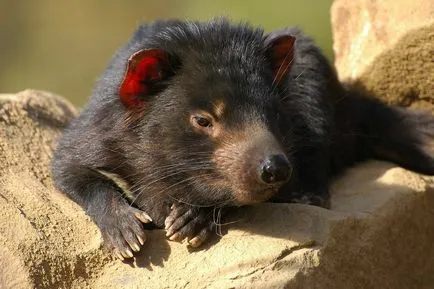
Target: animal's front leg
(195,224)
(121,225)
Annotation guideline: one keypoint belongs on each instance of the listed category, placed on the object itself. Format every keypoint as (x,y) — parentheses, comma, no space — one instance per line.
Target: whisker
(161,175)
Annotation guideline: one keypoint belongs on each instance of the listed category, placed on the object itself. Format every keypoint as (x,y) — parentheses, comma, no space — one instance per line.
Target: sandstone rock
(379,233)
(387,47)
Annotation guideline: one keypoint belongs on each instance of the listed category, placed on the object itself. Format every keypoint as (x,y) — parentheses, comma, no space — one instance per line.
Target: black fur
(323,127)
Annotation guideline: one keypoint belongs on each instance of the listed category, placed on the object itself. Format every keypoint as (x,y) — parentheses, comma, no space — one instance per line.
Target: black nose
(274,169)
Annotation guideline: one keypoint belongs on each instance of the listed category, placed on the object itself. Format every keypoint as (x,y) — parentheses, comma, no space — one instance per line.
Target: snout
(274,169)
(254,168)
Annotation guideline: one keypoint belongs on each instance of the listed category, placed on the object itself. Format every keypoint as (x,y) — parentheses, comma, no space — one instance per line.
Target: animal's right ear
(146,72)
(279,49)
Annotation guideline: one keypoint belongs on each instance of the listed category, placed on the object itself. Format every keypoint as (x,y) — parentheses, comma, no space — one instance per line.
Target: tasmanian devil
(190,117)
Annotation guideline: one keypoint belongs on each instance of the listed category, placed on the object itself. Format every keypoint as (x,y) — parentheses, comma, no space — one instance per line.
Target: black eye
(203,122)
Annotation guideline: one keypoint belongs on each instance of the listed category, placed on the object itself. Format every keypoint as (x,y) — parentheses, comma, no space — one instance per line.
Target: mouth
(252,197)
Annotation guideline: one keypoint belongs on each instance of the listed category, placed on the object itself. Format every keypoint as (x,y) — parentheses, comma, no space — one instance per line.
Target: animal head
(205,103)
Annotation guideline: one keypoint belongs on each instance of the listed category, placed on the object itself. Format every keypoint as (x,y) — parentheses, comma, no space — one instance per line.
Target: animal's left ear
(279,50)
(146,72)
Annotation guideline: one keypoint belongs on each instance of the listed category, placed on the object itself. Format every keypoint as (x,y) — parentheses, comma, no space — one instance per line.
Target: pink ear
(281,52)
(145,68)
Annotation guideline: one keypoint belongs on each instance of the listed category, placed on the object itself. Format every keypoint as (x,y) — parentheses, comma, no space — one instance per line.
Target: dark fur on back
(322,126)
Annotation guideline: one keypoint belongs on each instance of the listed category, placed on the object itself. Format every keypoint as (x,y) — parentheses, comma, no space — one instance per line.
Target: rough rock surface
(379,233)
(387,47)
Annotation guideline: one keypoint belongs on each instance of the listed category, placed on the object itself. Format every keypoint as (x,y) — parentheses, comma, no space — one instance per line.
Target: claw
(195,242)
(166,224)
(135,248)
(143,217)
(128,254)
(174,237)
(141,241)
(119,255)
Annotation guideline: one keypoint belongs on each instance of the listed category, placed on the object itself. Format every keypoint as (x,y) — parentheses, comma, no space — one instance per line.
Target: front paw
(192,223)
(122,229)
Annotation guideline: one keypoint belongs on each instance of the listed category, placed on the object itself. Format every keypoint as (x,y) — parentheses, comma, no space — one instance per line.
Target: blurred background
(63,46)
